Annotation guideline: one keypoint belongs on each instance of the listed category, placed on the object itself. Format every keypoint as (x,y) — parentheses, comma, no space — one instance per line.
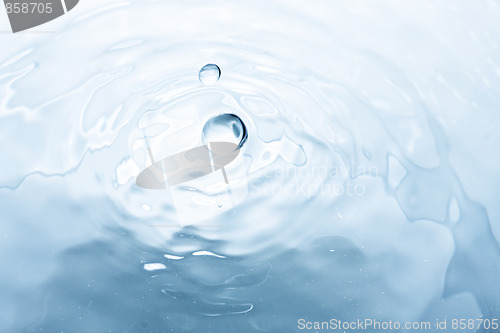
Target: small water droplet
(219,202)
(225,128)
(209,74)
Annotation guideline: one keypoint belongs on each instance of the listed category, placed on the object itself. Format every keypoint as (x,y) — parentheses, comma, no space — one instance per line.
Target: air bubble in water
(225,128)
(209,74)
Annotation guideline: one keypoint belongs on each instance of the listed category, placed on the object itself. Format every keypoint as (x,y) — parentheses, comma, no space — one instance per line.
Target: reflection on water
(369,169)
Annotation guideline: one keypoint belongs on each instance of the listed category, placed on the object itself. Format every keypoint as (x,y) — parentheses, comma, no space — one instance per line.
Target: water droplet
(225,128)
(209,74)
(219,203)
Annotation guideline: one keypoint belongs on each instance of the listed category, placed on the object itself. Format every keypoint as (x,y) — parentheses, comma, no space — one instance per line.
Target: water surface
(370,165)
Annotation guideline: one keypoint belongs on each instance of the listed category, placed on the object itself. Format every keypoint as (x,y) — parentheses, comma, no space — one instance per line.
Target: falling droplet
(209,74)
(219,202)
(225,128)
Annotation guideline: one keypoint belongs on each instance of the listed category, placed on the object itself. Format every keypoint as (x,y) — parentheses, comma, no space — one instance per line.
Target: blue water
(368,186)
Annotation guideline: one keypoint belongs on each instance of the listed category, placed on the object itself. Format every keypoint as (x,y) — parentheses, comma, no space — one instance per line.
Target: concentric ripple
(367,173)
